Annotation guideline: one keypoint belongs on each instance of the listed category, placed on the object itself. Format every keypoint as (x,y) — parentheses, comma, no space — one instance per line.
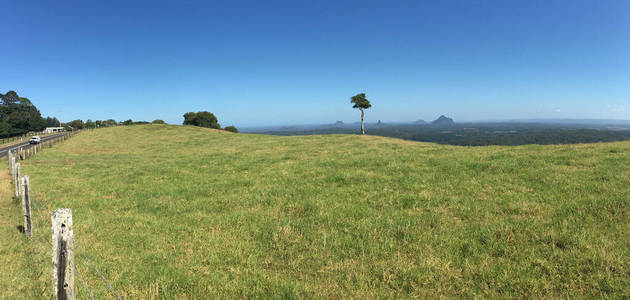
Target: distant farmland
(173,211)
(475,134)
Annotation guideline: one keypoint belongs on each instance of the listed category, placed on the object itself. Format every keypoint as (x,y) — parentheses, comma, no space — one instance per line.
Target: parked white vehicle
(34,140)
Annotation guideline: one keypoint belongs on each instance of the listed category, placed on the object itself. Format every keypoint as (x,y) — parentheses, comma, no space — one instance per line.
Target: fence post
(13,168)
(63,254)
(11,161)
(16,180)
(26,204)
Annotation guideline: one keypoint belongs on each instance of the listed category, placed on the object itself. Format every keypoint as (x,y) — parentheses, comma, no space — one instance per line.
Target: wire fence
(41,238)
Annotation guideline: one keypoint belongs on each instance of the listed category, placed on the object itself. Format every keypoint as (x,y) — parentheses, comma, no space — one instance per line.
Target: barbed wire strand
(43,205)
(83,282)
(41,237)
(111,288)
(37,206)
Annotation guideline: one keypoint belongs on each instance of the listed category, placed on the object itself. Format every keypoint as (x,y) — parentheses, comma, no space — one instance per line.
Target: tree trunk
(362,128)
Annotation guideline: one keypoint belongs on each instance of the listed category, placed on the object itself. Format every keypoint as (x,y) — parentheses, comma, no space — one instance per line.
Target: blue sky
(296,62)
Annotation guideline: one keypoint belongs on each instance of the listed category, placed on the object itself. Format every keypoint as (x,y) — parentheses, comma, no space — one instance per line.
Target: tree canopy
(18,115)
(202,119)
(360,101)
(76,124)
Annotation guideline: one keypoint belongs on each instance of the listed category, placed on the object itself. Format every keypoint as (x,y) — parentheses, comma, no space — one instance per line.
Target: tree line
(19,116)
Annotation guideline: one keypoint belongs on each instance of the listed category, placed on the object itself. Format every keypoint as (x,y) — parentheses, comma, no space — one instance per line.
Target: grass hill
(172,211)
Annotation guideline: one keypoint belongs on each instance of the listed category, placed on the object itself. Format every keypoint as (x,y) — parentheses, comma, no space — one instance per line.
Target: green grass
(171,211)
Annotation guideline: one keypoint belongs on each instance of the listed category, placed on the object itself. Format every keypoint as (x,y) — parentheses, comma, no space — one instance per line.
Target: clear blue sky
(296,62)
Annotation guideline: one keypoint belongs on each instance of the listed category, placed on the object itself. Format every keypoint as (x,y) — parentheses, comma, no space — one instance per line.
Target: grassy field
(172,211)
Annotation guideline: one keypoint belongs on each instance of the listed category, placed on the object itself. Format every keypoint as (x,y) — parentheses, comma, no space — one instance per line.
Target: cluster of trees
(89,124)
(19,116)
(205,119)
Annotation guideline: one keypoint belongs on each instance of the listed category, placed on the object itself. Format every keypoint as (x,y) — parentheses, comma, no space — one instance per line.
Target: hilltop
(443,121)
(185,212)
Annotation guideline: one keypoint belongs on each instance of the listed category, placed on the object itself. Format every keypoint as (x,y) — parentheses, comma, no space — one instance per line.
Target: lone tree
(362,104)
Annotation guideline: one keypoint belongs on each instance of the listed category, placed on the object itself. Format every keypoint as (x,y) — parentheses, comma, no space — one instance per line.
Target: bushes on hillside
(201,119)
(231,129)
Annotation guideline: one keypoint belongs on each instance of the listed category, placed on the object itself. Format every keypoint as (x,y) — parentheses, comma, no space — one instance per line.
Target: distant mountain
(420,122)
(338,124)
(379,123)
(443,120)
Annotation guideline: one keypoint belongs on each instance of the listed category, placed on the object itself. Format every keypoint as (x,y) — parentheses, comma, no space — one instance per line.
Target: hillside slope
(181,211)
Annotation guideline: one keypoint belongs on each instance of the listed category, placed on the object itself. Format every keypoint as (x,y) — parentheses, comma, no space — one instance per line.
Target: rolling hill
(186,212)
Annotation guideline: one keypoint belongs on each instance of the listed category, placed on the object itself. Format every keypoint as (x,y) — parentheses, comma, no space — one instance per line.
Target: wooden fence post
(63,254)
(11,161)
(26,204)
(13,168)
(16,179)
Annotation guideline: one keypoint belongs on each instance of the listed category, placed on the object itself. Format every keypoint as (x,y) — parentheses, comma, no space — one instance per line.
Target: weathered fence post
(26,204)
(13,168)
(11,160)
(63,254)
(16,180)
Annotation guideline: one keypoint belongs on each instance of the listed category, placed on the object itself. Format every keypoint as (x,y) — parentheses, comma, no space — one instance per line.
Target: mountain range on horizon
(443,120)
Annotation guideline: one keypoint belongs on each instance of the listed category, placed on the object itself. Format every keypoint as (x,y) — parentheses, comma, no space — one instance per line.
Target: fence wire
(109,286)
(83,282)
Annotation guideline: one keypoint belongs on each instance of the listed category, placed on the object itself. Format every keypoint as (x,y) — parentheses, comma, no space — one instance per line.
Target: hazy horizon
(529,120)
